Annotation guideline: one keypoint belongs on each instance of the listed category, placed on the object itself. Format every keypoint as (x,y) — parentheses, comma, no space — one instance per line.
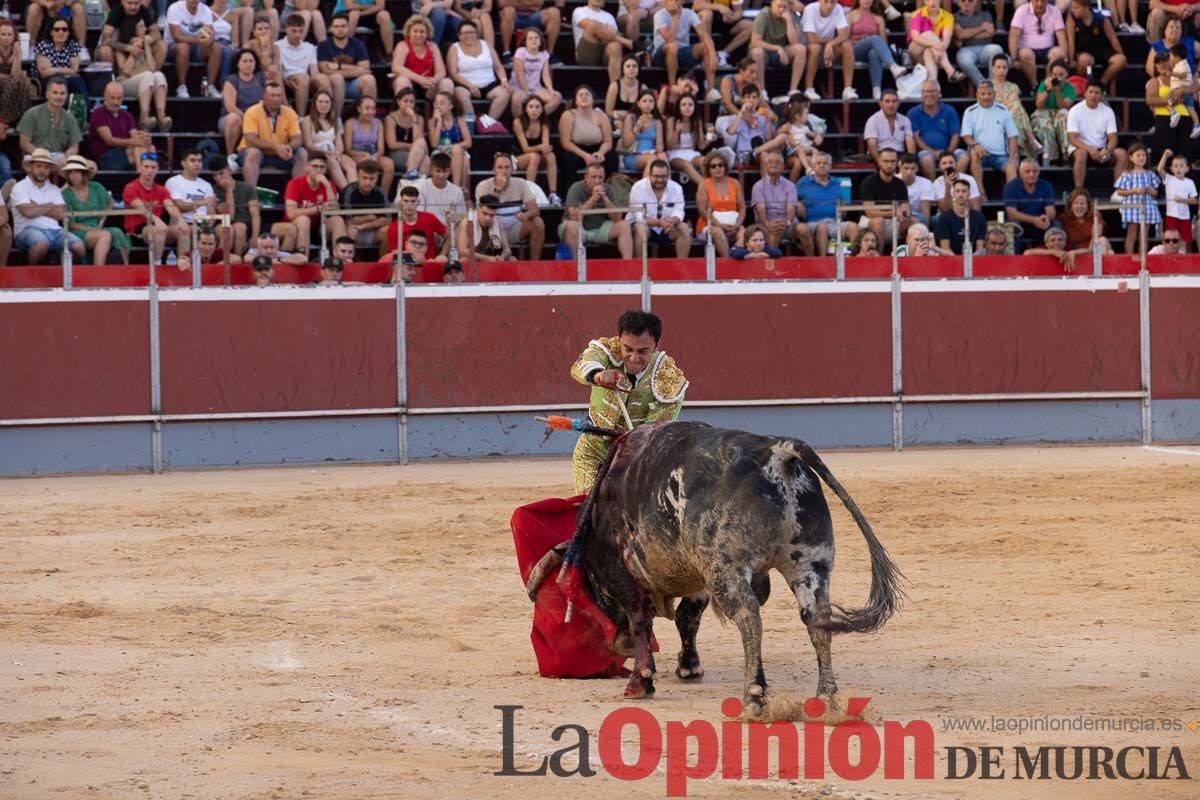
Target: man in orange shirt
(271,136)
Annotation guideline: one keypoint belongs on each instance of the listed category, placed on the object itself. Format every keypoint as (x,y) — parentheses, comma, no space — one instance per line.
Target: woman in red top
(417,64)
(1077,221)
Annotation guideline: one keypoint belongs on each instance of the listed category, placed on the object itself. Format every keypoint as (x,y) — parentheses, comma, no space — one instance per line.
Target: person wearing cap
(331,272)
(81,193)
(453,273)
(145,194)
(50,126)
(38,212)
(264,270)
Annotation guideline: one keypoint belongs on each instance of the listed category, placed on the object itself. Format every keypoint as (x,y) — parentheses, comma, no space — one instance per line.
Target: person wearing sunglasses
(1037,33)
(39,11)
(60,56)
(1172,245)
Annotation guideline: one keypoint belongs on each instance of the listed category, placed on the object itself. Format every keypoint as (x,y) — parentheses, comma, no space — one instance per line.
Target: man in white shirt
(38,212)
(943,185)
(190,37)
(827,33)
(438,194)
(663,200)
(189,191)
(298,59)
(1092,134)
(597,39)
(921,198)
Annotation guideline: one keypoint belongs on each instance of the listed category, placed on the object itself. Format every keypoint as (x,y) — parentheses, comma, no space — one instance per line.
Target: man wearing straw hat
(39,211)
(633,383)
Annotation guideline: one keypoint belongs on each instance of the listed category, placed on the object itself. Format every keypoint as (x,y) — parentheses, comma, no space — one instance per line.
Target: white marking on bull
(678,500)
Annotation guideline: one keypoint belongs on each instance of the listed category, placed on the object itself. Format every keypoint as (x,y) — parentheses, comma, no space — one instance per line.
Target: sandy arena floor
(345,632)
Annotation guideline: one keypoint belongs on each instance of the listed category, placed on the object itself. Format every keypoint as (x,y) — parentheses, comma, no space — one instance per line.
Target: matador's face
(636,351)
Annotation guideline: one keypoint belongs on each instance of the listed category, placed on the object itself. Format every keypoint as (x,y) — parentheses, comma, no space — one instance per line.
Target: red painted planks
(1175,343)
(1020,341)
(74,359)
(277,355)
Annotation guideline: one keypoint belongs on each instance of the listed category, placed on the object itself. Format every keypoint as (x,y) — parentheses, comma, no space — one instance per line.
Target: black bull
(685,510)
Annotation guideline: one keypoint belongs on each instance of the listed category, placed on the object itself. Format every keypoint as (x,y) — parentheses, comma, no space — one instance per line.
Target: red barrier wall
(65,359)
(1175,343)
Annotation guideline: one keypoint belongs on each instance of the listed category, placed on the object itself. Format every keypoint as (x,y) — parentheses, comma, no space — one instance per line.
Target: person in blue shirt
(819,195)
(1029,200)
(756,246)
(990,134)
(935,128)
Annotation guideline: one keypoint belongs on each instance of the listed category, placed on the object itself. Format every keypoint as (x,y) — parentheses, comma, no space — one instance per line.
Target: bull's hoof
(639,689)
(753,709)
(689,674)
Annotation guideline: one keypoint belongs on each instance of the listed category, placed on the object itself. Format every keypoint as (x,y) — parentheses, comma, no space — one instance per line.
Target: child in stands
(1138,189)
(1181,193)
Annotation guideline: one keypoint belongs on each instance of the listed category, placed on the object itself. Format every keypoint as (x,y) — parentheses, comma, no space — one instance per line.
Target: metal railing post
(68,262)
(645,261)
(1096,262)
(895,225)
(195,254)
(401,376)
(1144,335)
(324,252)
(452,225)
(1142,246)
(968,247)
(156,460)
(897,365)
(710,253)
(838,250)
(580,251)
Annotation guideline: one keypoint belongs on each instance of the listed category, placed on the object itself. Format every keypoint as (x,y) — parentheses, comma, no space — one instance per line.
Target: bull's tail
(886,595)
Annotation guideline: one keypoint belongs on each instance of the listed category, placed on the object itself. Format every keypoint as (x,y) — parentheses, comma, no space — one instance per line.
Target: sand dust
(346,632)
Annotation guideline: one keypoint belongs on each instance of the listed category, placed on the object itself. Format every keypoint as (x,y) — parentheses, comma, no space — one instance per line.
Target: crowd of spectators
(710,155)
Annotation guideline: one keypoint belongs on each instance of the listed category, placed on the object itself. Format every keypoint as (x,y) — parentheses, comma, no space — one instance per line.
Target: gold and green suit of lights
(657,396)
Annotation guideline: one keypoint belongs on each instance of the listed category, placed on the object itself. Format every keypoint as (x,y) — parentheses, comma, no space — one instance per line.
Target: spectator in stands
(868,37)
(298,63)
(818,194)
(748,133)
(720,196)
(304,198)
(1055,244)
(886,198)
(267,246)
(482,238)
(439,196)
(112,131)
(673,29)
(206,246)
(737,29)
(404,135)
(331,272)
(584,137)
(1037,32)
(935,127)
(1029,199)
(943,185)
(531,74)
(797,138)
(475,67)
(344,60)
(990,135)
(732,87)
(777,42)
(518,212)
(642,137)
(363,141)
(239,200)
(775,203)
(59,56)
(360,13)
(1162,12)
(190,192)
(929,34)
(412,219)
(827,37)
(1081,225)
(441,14)
(190,38)
(974,30)
(343,249)
(120,27)
(271,137)
(50,126)
(367,230)
(453,273)
(531,132)
(84,194)
(264,271)
(262,44)
(950,228)
(637,17)
(310,15)
(1159,96)
(16,89)
(139,78)
(622,95)
(685,137)
(919,242)
(1172,245)
(479,12)
(866,243)
(250,10)
(756,246)
(921,198)
(597,39)
(1055,96)
(995,242)
(1008,94)
(1092,40)
(1092,134)
(448,133)
(1138,189)
(662,222)
(1172,35)
(58,12)
(152,199)
(243,88)
(1180,192)
(412,258)
(322,131)
(525,15)
(887,129)
(593,192)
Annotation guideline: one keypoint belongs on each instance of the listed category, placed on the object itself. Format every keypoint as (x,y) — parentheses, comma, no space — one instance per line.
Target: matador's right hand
(609,378)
